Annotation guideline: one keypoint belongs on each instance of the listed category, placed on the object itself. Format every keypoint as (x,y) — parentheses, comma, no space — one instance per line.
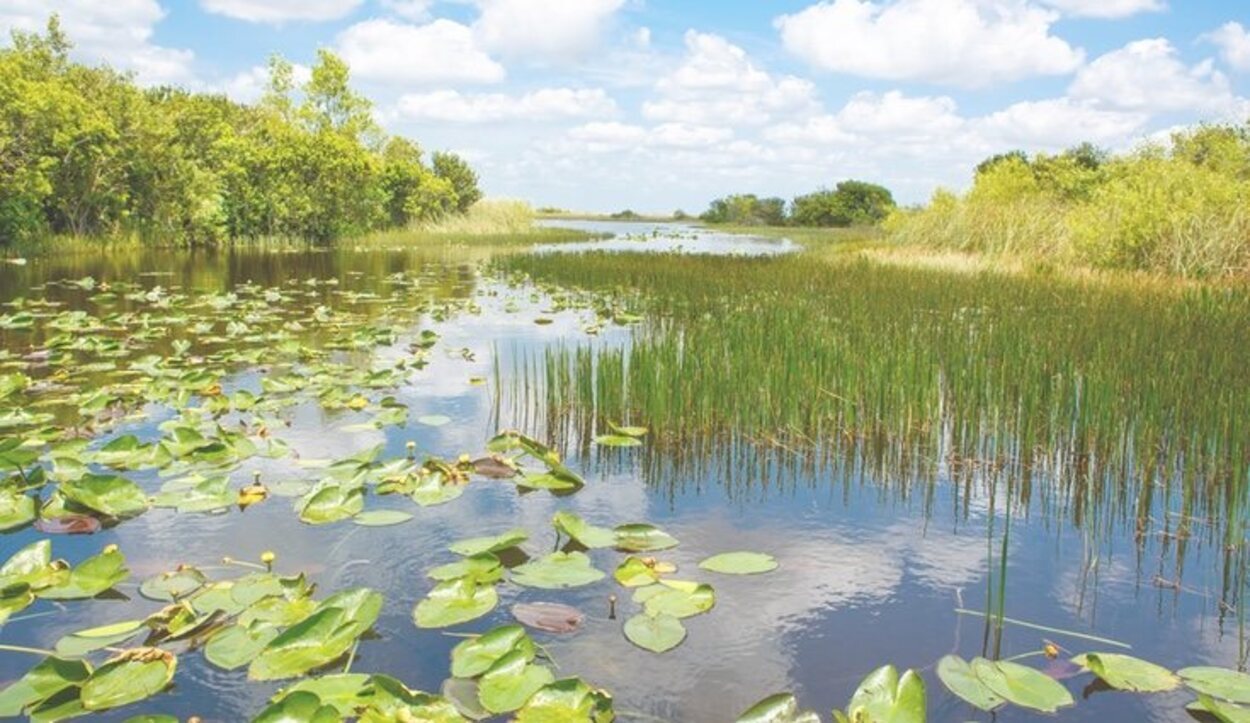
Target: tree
(851,203)
(453,169)
(330,104)
(746,209)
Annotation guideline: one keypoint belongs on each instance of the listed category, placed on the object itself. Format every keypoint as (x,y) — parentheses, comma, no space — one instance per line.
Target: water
(872,570)
(664,237)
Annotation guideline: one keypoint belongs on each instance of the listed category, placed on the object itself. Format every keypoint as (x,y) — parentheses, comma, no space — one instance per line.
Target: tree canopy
(849,203)
(86,151)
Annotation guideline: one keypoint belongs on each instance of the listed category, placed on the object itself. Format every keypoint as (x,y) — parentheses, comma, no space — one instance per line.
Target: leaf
(435,489)
(883,697)
(586,534)
(739,563)
(173,585)
(462,693)
(78,644)
(454,602)
(391,701)
(129,677)
(483,568)
(331,502)
(567,701)
(1223,711)
(545,481)
(641,537)
(556,571)
(68,524)
(635,572)
(237,645)
(1022,686)
(956,674)
(32,565)
(677,598)
(1230,685)
(779,708)
(497,543)
(381,518)
(657,633)
(345,692)
(548,617)
(510,682)
(49,677)
(298,707)
(16,509)
(628,431)
(91,577)
(1124,672)
(475,656)
(107,494)
(319,639)
(617,440)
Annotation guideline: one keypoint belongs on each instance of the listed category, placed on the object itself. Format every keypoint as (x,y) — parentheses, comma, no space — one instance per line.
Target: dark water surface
(871,570)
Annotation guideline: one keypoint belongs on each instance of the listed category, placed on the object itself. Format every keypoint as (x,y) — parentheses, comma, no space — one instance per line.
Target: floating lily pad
(548,617)
(127,678)
(1222,683)
(331,502)
(511,681)
(1222,711)
(678,598)
(617,440)
(323,637)
(435,489)
(107,494)
(657,633)
(569,700)
(585,533)
(91,577)
(237,645)
(475,656)
(641,537)
(78,644)
(556,571)
(884,696)
(957,675)
(483,568)
(779,708)
(739,563)
(345,692)
(635,572)
(16,510)
(454,602)
(173,585)
(49,677)
(299,707)
(381,518)
(1021,685)
(1124,672)
(68,524)
(496,543)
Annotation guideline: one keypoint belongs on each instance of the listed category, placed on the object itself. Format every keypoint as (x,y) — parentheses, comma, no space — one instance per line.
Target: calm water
(871,571)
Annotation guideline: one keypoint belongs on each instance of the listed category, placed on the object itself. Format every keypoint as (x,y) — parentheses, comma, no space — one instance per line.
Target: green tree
(850,203)
(463,179)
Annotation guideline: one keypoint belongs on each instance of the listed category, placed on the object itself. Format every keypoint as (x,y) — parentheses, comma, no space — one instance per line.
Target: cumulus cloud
(964,43)
(414,10)
(1234,43)
(1106,8)
(898,119)
(1148,75)
(543,29)
(1061,123)
(546,104)
(443,51)
(279,11)
(718,83)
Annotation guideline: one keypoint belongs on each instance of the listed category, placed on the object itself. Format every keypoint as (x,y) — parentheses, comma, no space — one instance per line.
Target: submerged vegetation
(86,153)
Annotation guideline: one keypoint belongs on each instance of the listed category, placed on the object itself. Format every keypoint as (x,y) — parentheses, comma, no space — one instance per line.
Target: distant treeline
(849,203)
(1180,207)
(84,151)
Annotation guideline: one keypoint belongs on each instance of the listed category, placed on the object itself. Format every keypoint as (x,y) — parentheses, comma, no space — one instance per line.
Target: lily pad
(957,675)
(1124,672)
(779,708)
(345,692)
(511,681)
(739,563)
(68,524)
(1021,685)
(556,571)
(475,656)
(884,696)
(331,502)
(16,510)
(299,707)
(173,585)
(91,577)
(49,677)
(483,568)
(237,645)
(635,572)
(657,633)
(1222,683)
(678,598)
(129,677)
(548,617)
(454,602)
(321,638)
(641,537)
(78,644)
(107,494)
(496,543)
(1222,711)
(617,440)
(585,533)
(381,518)
(567,701)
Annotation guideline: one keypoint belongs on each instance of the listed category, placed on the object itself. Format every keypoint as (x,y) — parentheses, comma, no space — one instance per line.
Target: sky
(658,105)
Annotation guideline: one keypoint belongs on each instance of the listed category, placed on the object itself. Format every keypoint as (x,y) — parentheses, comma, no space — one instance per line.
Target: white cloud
(1234,43)
(682,135)
(539,105)
(441,52)
(718,83)
(543,29)
(1060,123)
(965,43)
(897,119)
(601,135)
(1106,8)
(1148,75)
(117,32)
(606,136)
(414,10)
(278,11)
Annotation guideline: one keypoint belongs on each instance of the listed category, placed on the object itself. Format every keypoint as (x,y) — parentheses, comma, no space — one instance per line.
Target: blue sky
(663,104)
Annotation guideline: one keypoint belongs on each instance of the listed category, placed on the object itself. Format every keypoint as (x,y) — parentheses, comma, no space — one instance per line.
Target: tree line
(849,203)
(84,151)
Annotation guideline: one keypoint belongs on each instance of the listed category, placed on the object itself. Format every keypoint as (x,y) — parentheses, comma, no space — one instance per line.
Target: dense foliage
(1181,207)
(850,203)
(84,151)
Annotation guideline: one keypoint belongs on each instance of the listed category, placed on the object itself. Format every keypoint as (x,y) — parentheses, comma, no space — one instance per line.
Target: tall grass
(490,222)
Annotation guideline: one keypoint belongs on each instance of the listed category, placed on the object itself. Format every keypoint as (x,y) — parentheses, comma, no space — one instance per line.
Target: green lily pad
(1124,672)
(475,656)
(321,638)
(633,572)
(739,563)
(617,440)
(1222,683)
(483,568)
(237,645)
(381,518)
(107,494)
(628,431)
(556,571)
(677,598)
(1222,711)
(545,481)
(567,701)
(49,677)
(657,633)
(16,510)
(299,707)
(641,537)
(392,701)
(1022,686)
(173,585)
(779,708)
(884,696)
(344,692)
(435,489)
(91,577)
(462,693)
(585,533)
(956,674)
(511,681)
(78,644)
(128,678)
(454,602)
(32,565)
(496,543)
(331,502)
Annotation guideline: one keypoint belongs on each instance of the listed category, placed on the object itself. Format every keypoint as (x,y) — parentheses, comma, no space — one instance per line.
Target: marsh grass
(491,222)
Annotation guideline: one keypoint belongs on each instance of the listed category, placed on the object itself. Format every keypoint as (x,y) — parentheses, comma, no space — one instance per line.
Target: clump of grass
(490,222)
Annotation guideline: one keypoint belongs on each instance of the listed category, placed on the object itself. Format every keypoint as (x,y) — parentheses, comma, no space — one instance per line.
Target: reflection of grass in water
(1135,391)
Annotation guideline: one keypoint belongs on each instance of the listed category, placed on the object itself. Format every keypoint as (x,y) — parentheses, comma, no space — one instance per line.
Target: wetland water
(879,541)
